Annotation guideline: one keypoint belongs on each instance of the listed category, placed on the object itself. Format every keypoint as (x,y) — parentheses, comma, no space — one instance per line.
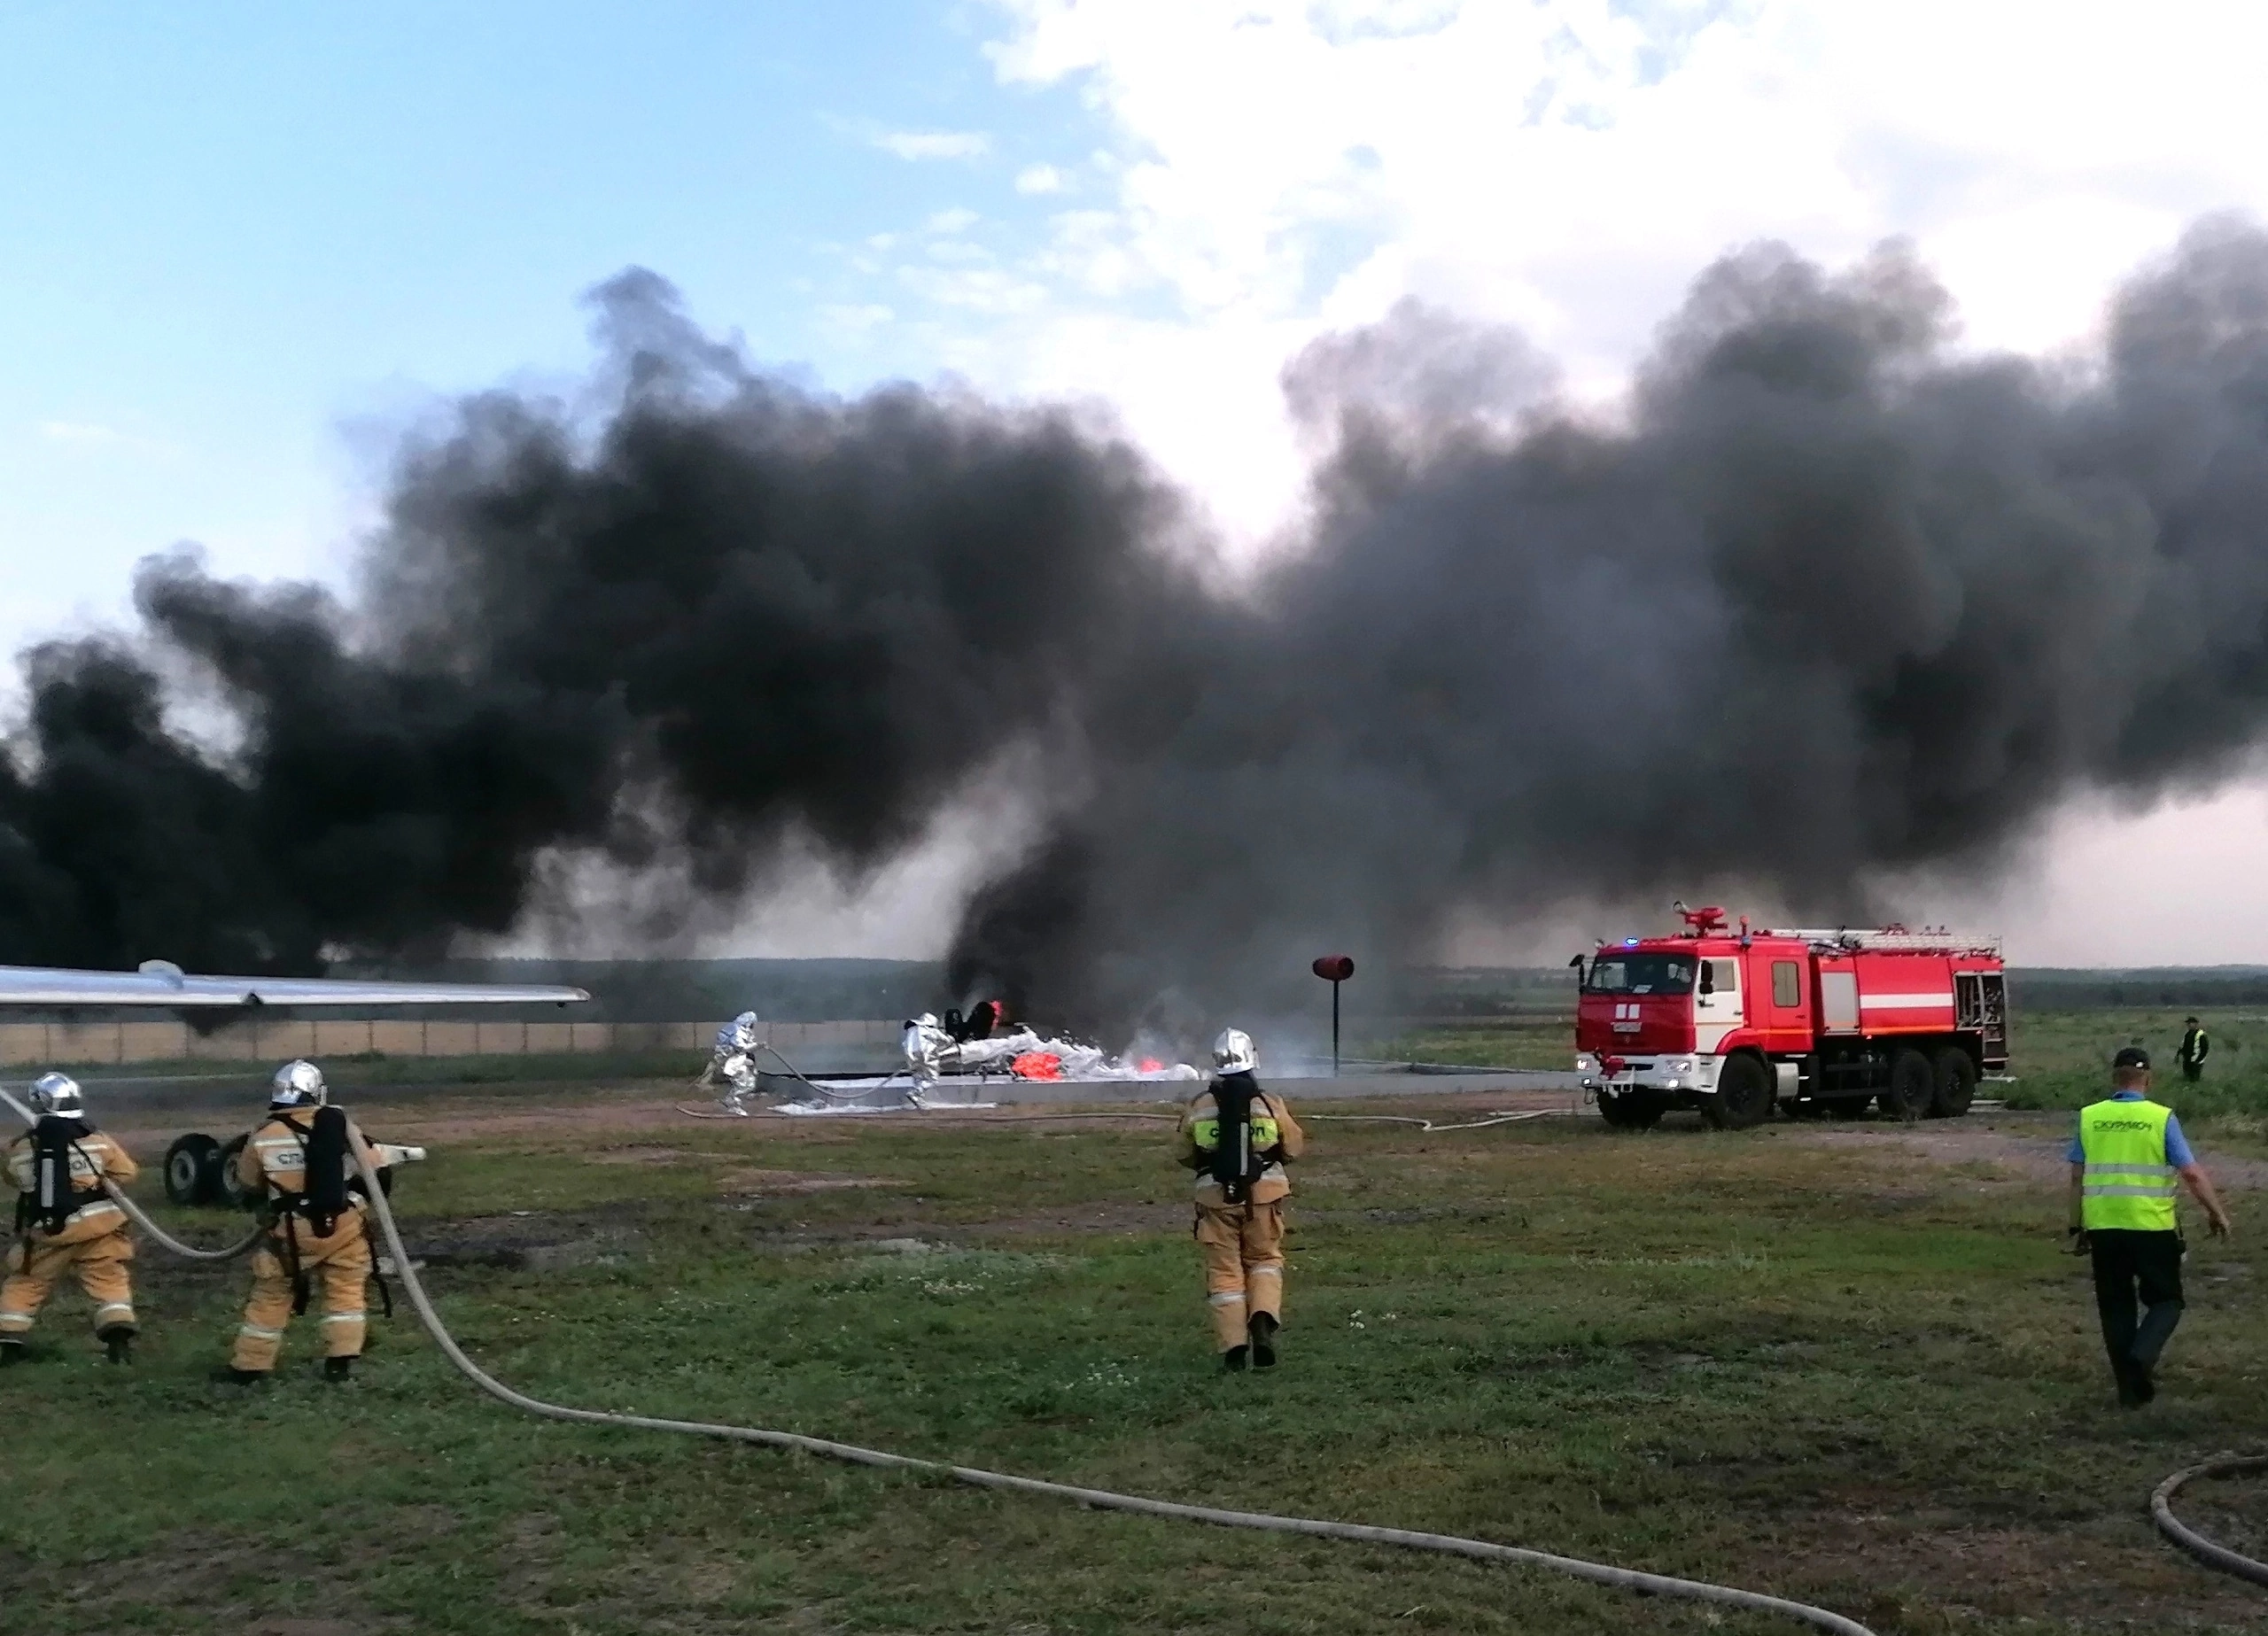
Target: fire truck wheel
(1631,1110)
(1912,1086)
(192,1170)
(1956,1083)
(1744,1094)
(233,1192)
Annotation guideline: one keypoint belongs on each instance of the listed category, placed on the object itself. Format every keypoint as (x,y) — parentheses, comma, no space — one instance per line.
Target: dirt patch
(1129,1219)
(1094,1218)
(2013,1572)
(530,1240)
(778,1183)
(197,1571)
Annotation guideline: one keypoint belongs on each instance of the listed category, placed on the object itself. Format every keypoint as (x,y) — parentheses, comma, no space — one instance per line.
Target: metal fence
(263,1040)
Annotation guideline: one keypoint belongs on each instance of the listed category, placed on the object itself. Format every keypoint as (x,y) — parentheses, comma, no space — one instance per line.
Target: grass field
(1842,1363)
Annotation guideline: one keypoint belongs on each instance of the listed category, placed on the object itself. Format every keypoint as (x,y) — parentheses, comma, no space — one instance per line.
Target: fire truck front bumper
(1614,1075)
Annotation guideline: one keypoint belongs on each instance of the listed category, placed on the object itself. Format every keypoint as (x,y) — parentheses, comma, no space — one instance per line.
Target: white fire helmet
(58,1093)
(298,1085)
(1233,1052)
(744,1030)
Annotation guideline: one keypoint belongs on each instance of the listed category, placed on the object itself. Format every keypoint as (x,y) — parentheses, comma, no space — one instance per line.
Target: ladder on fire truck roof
(1892,940)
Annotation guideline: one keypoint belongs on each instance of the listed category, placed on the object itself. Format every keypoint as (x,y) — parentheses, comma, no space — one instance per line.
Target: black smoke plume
(1837,600)
(726,613)
(1830,599)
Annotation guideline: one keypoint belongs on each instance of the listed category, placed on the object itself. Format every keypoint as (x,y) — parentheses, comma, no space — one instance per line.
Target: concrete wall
(24,1045)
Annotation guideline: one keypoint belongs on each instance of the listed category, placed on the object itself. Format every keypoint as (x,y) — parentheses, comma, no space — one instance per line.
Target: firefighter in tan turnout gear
(1238,1137)
(65,1223)
(301,1163)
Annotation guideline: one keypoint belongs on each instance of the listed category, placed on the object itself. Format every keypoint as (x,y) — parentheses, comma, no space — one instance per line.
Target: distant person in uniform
(2196,1047)
(731,1060)
(2123,1161)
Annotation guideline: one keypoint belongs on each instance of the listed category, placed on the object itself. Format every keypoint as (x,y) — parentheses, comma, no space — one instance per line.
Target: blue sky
(239,241)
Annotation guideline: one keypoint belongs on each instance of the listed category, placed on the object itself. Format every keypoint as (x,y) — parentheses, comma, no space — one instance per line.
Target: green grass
(375,1069)
(1797,1359)
(1486,1043)
(2063,1058)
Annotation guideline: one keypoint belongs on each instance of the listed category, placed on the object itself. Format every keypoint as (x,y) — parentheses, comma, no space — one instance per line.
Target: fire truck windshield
(1641,974)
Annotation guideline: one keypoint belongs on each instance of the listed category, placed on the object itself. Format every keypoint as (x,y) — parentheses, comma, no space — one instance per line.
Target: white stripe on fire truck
(1905,1002)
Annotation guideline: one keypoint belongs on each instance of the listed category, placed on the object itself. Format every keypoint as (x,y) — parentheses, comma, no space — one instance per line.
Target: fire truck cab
(1737,1023)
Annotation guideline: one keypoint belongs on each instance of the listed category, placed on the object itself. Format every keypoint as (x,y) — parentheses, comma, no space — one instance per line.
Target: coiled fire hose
(1098,1498)
(2187,1538)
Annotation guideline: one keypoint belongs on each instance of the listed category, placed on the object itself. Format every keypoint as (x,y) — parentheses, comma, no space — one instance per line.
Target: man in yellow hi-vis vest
(2123,1161)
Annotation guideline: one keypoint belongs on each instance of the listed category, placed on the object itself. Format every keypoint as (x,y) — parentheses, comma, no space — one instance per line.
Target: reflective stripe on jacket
(275,1157)
(93,1156)
(2126,1183)
(1272,1126)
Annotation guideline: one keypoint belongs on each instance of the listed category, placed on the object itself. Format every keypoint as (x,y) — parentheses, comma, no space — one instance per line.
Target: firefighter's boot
(1263,1340)
(339,1369)
(10,1353)
(1233,1359)
(118,1343)
(229,1374)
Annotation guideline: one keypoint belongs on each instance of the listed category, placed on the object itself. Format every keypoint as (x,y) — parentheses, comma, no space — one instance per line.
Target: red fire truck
(1737,1022)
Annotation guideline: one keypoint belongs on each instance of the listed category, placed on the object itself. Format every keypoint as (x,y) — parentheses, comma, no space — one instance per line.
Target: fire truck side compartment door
(1839,1002)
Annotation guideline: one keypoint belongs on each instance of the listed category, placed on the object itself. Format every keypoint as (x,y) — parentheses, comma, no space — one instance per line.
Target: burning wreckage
(969,1045)
(973,1049)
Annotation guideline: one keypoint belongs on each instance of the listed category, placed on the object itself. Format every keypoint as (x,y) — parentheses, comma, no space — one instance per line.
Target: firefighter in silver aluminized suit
(732,1061)
(926,1045)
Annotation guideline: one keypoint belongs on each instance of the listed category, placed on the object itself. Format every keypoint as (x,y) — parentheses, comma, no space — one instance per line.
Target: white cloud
(1041,178)
(1278,167)
(935,144)
(955,221)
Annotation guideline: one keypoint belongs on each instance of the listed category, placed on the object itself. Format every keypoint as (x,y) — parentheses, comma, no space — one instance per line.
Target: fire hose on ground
(1106,1500)
(1099,1499)
(2188,1538)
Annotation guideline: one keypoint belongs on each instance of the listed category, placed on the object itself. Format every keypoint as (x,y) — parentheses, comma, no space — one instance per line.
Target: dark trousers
(2128,1264)
(2192,1071)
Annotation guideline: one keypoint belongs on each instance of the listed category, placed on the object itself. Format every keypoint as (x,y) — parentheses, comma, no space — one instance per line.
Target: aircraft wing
(158,982)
